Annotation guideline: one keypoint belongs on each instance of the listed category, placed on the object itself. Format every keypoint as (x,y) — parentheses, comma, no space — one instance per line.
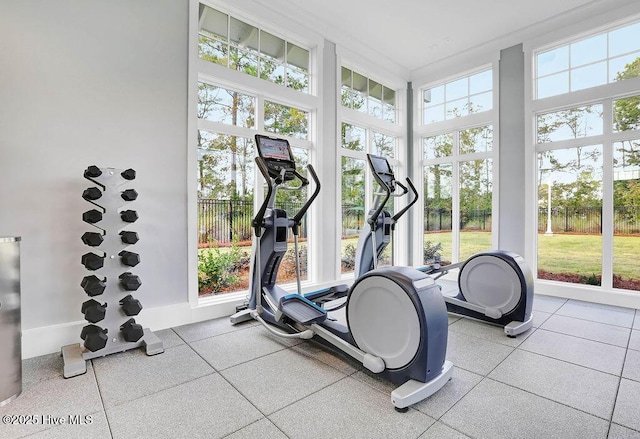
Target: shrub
(288,266)
(218,270)
(431,252)
(592,279)
(349,257)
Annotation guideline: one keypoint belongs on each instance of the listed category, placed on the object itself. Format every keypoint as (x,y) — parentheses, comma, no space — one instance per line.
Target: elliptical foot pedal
(328,294)
(301,309)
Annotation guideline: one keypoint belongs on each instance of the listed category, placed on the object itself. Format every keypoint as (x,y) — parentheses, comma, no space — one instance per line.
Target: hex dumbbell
(129,216)
(129,195)
(92,261)
(93,239)
(92,285)
(128,174)
(93,310)
(130,259)
(92,216)
(128,237)
(91,194)
(131,306)
(95,338)
(132,331)
(130,282)
(92,172)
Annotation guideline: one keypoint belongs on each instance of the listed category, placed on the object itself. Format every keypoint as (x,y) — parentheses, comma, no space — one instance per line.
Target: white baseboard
(588,293)
(50,339)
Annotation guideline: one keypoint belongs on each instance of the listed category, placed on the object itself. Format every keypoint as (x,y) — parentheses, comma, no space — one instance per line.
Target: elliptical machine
(393,321)
(493,286)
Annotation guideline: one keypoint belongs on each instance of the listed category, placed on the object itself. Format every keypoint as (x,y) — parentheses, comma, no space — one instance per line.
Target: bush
(349,258)
(431,252)
(592,279)
(218,270)
(288,266)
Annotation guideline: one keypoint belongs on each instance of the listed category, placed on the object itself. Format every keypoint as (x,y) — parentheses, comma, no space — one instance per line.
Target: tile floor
(575,375)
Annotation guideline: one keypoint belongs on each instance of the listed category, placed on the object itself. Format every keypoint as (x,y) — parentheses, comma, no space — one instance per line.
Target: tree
(230,107)
(626,116)
(439,146)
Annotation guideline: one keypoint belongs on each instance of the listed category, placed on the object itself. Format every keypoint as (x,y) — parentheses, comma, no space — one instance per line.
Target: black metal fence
(436,220)
(223,220)
(626,220)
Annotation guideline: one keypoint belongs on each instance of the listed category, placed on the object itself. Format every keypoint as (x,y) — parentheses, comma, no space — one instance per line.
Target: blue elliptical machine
(392,320)
(493,286)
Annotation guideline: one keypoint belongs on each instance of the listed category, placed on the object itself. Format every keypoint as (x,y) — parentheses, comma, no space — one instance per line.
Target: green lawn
(560,253)
(577,254)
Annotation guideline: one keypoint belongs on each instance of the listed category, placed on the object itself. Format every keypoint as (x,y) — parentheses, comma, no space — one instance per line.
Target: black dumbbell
(129,216)
(95,338)
(131,306)
(93,239)
(92,261)
(128,174)
(129,258)
(130,282)
(92,172)
(92,285)
(91,194)
(129,195)
(92,216)
(131,331)
(129,237)
(93,310)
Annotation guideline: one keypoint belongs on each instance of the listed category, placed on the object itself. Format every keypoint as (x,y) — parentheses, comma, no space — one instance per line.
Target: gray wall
(512,151)
(92,82)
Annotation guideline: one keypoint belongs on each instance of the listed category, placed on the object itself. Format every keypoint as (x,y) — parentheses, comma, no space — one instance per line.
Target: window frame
(455,126)
(370,124)
(204,71)
(567,42)
(604,94)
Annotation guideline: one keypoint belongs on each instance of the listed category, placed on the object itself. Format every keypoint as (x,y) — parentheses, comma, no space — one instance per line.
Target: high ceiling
(415,33)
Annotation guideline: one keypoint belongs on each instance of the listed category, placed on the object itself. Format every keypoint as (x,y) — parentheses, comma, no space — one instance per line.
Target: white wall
(92,82)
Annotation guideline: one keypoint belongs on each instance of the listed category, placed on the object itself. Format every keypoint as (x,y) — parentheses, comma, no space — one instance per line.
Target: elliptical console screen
(380,165)
(271,148)
(382,170)
(277,155)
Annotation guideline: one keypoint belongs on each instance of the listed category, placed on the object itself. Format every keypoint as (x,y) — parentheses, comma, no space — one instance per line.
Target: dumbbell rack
(111,245)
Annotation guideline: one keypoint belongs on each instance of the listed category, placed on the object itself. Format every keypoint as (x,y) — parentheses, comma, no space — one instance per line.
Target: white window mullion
(455,206)
(607,198)
(260,113)
(570,143)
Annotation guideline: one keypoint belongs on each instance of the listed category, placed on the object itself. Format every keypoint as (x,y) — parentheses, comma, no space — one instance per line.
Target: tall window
(587,161)
(228,117)
(457,167)
(369,125)
(357,182)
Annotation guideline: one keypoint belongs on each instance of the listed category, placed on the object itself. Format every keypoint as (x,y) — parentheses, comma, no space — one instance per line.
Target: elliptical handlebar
(397,216)
(259,218)
(303,182)
(374,217)
(257,221)
(298,217)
